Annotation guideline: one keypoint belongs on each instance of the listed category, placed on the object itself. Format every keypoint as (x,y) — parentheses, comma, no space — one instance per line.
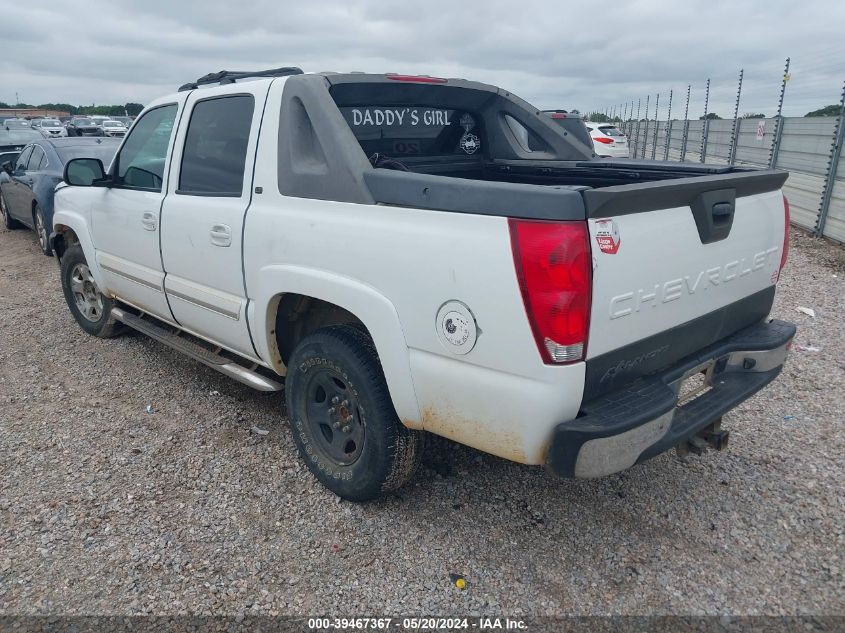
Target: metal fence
(805,151)
(808,147)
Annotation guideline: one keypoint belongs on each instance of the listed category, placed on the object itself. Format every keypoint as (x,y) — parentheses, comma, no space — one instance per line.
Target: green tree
(711,116)
(753,115)
(133,109)
(831,110)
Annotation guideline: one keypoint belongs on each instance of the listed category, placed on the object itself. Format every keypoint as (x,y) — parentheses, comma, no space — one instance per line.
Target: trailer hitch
(711,436)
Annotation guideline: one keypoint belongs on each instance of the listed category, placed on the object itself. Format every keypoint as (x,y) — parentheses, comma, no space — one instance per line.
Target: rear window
(414,130)
(18,137)
(609,130)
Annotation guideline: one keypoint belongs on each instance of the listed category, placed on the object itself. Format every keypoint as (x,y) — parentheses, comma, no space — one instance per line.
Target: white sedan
(114,128)
(608,140)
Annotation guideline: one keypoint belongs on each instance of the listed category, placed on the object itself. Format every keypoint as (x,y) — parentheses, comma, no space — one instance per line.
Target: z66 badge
(607,236)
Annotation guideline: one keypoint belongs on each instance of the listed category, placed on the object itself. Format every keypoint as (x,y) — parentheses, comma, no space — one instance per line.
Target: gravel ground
(107,509)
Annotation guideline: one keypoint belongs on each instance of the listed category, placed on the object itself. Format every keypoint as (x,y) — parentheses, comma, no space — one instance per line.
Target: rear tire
(90,307)
(9,222)
(342,417)
(40,225)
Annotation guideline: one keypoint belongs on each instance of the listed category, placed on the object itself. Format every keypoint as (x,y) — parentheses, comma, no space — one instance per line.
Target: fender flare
(74,221)
(374,310)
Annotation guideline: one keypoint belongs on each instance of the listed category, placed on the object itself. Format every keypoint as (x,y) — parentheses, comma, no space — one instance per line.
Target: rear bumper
(643,419)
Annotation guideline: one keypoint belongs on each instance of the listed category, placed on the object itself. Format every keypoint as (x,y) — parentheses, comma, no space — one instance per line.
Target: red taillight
(553,266)
(558,115)
(602,139)
(785,235)
(422,79)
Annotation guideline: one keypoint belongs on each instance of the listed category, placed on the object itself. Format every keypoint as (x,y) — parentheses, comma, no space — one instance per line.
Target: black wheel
(90,307)
(342,417)
(8,221)
(41,230)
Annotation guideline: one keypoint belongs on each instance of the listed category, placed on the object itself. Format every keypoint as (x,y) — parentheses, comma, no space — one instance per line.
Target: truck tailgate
(678,265)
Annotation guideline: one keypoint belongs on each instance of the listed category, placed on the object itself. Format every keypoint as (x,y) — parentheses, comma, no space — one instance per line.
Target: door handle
(148,219)
(221,235)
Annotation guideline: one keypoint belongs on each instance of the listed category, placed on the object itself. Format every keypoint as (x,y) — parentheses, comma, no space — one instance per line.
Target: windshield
(14,123)
(50,123)
(103,150)
(82,122)
(19,137)
(112,124)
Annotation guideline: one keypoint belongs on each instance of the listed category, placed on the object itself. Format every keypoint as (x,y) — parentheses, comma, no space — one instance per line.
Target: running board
(207,357)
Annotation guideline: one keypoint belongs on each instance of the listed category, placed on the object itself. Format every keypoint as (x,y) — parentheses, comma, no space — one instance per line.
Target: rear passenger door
(203,213)
(27,180)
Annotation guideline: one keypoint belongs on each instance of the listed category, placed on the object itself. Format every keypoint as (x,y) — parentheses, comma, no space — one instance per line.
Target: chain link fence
(808,147)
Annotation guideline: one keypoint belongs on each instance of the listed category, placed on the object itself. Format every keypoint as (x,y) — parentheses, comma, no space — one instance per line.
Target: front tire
(342,417)
(8,221)
(90,307)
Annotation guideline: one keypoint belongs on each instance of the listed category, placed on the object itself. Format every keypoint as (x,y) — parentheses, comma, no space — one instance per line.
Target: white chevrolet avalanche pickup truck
(410,255)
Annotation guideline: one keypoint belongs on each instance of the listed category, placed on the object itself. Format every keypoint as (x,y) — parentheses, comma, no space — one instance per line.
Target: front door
(203,214)
(125,217)
(14,194)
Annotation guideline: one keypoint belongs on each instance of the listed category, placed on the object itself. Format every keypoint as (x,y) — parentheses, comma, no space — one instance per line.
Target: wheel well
(65,238)
(299,315)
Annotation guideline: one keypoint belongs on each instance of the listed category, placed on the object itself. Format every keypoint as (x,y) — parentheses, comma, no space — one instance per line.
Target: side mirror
(85,172)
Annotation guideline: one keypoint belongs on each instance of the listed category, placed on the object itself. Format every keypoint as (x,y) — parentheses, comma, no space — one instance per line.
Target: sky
(566,55)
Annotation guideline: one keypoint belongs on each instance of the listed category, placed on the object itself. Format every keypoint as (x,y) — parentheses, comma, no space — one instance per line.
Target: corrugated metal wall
(804,151)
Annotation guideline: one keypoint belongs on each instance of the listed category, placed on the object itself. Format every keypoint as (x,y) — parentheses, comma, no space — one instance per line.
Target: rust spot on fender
(475,433)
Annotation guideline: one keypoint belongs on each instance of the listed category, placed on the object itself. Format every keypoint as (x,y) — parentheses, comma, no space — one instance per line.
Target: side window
(140,164)
(35,159)
(215,147)
(20,163)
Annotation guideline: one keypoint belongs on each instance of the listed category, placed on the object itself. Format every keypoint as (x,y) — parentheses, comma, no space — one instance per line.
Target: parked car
(14,139)
(50,128)
(409,264)
(571,124)
(27,185)
(83,126)
(114,128)
(126,120)
(16,124)
(608,140)
(8,156)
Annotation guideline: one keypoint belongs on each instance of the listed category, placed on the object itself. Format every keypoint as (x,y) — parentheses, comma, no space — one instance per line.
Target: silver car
(50,128)
(114,128)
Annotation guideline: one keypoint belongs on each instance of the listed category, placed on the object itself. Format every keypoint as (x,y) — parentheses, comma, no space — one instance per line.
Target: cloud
(552,54)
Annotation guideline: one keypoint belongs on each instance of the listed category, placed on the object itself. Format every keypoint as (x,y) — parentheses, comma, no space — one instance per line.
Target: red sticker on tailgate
(607,236)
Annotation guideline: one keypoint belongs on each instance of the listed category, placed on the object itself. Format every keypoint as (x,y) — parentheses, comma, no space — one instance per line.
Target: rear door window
(35,159)
(214,156)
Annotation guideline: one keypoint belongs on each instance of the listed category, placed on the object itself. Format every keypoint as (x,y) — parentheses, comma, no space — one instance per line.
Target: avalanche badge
(607,236)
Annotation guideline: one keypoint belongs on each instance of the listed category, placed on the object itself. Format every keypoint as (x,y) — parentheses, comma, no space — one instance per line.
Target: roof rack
(231,76)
